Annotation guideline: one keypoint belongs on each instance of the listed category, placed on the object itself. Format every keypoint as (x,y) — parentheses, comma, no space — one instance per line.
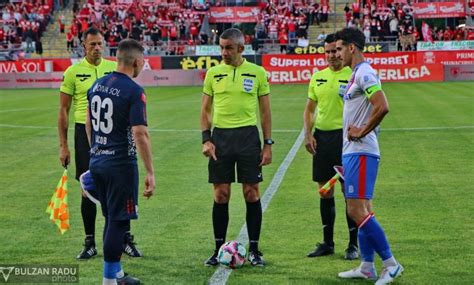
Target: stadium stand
(175,27)
(22,24)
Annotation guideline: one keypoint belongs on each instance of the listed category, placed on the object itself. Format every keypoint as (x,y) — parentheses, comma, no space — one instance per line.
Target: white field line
(274,131)
(221,274)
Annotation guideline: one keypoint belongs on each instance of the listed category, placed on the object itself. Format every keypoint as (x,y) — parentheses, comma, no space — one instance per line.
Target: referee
(77,79)
(232,92)
(326,143)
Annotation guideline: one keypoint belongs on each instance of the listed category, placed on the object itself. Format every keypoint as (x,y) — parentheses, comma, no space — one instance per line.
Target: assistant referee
(231,94)
(324,92)
(77,80)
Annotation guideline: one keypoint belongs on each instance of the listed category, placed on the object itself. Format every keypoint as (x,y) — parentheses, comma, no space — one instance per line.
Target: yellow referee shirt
(235,92)
(78,78)
(325,88)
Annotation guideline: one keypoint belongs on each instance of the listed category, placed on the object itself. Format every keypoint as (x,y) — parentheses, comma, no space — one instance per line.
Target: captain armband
(372,89)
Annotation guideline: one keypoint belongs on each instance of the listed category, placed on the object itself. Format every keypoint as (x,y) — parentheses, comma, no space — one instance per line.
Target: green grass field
(424,193)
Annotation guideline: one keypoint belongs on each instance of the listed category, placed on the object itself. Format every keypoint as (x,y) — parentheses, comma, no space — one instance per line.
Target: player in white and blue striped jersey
(365,106)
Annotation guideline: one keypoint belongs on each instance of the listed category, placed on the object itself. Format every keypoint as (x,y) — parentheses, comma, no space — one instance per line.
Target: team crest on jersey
(248,85)
(342,90)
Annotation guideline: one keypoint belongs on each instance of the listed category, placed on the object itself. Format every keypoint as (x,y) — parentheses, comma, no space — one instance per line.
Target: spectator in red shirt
(348,17)
(173,33)
(470,35)
(74,30)
(112,42)
(459,35)
(85,11)
(194,32)
(84,26)
(164,33)
(356,10)
(283,40)
(2,36)
(291,29)
(448,34)
(69,41)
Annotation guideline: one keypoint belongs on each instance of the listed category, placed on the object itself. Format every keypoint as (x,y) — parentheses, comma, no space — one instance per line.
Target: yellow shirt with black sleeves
(78,78)
(235,92)
(326,88)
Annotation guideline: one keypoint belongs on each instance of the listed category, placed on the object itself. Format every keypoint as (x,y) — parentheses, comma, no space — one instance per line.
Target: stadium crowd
(22,24)
(174,26)
(151,24)
(395,21)
(182,22)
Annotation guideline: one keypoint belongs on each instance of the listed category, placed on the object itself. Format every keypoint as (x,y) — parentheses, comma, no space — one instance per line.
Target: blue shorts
(360,173)
(117,188)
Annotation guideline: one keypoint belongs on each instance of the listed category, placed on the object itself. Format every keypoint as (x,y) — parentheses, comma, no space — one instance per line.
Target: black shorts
(239,146)
(81,149)
(328,154)
(117,188)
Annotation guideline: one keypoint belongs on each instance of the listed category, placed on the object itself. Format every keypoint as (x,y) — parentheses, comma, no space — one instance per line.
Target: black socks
(220,220)
(254,223)
(328,216)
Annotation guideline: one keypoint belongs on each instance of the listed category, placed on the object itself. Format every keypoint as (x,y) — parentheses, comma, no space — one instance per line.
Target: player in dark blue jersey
(117,128)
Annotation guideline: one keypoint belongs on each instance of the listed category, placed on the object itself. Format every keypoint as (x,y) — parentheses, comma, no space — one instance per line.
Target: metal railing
(265,46)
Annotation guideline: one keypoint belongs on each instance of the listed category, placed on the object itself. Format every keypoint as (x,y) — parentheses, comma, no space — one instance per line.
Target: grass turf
(424,196)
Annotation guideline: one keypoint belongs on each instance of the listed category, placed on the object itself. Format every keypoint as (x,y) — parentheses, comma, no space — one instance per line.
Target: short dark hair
(127,51)
(351,36)
(330,38)
(233,34)
(91,31)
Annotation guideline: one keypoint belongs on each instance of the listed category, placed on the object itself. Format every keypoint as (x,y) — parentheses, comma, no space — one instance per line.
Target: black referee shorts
(328,154)
(117,187)
(81,149)
(238,146)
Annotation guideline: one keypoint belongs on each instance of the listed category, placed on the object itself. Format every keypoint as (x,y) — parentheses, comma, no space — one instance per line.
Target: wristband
(268,141)
(206,136)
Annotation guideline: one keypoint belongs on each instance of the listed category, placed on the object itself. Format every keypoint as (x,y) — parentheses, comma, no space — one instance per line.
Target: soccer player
(78,78)
(116,126)
(365,107)
(326,143)
(232,91)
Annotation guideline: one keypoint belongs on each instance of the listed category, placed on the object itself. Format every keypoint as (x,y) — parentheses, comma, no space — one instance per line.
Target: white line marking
(150,129)
(426,128)
(25,127)
(221,274)
(25,109)
(275,131)
(197,130)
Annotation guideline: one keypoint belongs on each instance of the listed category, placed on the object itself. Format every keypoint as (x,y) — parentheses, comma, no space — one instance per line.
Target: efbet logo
(202,62)
(6,271)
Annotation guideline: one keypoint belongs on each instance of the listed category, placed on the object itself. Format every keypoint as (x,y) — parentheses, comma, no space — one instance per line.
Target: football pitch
(424,195)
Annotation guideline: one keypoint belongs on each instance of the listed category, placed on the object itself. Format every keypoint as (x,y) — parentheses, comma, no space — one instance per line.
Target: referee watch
(268,141)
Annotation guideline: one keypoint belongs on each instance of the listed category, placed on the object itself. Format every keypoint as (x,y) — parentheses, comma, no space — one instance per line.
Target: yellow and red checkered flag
(57,208)
(326,187)
(339,174)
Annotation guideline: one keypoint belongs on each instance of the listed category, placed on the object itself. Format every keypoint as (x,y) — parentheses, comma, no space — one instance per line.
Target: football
(232,254)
